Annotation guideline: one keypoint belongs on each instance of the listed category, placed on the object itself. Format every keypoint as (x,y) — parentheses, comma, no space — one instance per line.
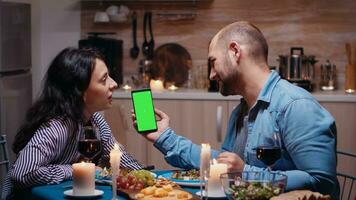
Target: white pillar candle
(156,85)
(115,159)
(83,178)
(215,188)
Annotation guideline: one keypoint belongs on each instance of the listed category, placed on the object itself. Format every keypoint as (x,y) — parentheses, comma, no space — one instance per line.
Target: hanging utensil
(151,43)
(145,47)
(135,50)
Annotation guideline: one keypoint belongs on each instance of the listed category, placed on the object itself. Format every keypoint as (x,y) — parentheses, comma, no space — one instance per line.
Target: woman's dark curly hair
(65,82)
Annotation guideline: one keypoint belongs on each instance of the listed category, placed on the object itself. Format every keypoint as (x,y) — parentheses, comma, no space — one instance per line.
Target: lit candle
(156,85)
(172,88)
(115,158)
(126,87)
(214,185)
(83,178)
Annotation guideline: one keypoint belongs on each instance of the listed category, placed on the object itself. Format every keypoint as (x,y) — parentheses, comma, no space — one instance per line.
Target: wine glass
(269,149)
(205,156)
(89,144)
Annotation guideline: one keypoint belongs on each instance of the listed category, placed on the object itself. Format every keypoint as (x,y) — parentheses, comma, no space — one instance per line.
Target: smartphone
(144,110)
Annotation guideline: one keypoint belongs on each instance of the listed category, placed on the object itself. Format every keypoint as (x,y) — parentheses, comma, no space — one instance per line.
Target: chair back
(4,160)
(347,180)
(4,156)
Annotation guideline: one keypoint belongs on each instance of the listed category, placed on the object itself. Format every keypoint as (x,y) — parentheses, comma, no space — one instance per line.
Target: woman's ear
(85,97)
(235,48)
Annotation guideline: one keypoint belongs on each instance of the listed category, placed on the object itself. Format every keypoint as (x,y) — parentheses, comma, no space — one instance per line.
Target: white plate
(199,194)
(190,183)
(96,193)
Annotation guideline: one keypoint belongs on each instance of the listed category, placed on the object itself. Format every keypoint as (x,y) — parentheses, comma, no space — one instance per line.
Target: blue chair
(347,181)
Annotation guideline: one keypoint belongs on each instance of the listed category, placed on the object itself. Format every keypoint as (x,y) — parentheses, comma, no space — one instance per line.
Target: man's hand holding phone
(162,124)
(144,115)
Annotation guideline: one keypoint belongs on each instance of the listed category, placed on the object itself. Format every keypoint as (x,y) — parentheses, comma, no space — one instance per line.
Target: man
(238,56)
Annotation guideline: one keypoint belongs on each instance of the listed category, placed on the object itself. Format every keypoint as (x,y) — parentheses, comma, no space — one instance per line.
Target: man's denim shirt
(307,132)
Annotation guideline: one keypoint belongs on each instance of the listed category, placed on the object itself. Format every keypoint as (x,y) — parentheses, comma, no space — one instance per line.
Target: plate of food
(161,189)
(184,177)
(104,176)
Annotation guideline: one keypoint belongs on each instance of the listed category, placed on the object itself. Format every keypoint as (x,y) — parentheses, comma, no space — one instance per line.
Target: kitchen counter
(198,94)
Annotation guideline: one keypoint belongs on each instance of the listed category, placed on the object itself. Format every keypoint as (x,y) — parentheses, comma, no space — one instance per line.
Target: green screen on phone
(144,110)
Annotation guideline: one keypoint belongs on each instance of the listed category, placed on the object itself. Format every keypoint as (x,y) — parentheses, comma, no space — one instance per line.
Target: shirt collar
(266,92)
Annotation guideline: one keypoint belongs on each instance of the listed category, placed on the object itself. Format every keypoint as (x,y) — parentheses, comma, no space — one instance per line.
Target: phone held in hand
(144,110)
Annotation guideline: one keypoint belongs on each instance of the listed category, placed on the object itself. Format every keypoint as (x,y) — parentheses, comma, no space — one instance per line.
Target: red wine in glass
(89,148)
(89,144)
(269,148)
(268,155)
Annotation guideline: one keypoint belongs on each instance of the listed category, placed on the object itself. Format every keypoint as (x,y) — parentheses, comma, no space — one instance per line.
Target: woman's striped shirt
(48,156)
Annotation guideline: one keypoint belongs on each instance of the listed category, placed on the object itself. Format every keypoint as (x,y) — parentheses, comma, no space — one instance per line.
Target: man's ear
(236,48)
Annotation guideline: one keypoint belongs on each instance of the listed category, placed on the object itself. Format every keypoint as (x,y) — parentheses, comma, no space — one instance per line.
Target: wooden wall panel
(321,27)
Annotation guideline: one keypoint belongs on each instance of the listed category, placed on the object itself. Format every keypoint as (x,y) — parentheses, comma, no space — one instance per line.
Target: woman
(76,87)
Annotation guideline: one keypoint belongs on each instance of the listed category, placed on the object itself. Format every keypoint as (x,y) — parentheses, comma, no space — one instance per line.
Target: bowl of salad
(250,185)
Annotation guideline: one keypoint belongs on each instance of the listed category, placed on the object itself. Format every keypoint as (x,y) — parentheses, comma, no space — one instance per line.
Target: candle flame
(126,87)
(116,147)
(173,87)
(215,162)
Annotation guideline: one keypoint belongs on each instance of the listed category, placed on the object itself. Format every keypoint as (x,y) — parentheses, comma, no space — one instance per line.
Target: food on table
(254,191)
(101,173)
(192,174)
(163,188)
(135,180)
(160,192)
(161,182)
(106,173)
(182,195)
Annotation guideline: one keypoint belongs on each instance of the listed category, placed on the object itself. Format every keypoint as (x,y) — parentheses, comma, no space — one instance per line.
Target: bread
(182,195)
(148,190)
(160,192)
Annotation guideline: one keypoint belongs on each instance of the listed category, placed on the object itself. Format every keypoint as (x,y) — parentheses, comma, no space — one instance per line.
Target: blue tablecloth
(54,192)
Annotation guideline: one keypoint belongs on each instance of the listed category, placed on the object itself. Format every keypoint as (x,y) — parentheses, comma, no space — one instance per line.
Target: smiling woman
(76,87)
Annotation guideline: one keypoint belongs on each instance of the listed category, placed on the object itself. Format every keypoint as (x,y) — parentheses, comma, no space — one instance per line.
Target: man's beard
(227,86)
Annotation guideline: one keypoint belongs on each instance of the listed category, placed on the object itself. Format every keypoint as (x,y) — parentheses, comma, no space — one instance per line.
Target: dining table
(56,191)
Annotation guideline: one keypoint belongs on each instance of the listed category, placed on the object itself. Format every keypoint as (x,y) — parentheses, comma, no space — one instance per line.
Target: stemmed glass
(269,149)
(205,156)
(89,144)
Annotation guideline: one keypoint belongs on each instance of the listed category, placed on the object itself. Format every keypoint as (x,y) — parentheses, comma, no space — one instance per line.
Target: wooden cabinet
(119,119)
(345,115)
(200,121)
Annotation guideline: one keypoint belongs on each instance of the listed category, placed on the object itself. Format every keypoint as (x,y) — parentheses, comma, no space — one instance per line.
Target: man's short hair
(246,34)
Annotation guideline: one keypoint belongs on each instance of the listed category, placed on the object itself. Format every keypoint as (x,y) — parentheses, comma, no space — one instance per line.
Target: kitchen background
(322,27)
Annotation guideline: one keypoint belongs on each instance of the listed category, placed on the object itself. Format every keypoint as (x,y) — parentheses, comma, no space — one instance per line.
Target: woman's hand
(162,124)
(233,161)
